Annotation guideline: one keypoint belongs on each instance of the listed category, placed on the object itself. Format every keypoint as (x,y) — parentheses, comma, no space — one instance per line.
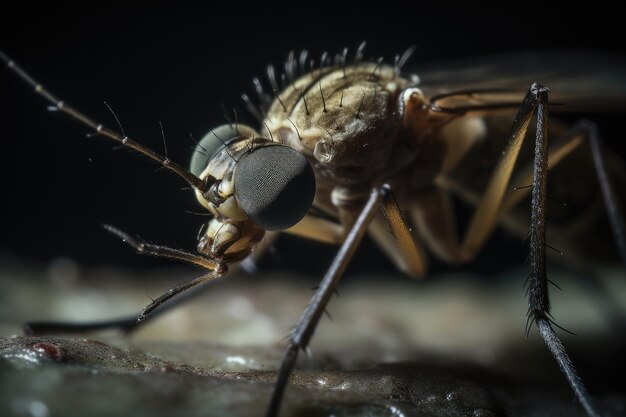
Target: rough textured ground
(451,346)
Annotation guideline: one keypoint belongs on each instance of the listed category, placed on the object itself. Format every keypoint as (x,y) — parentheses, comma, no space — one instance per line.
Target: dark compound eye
(274,186)
(213,142)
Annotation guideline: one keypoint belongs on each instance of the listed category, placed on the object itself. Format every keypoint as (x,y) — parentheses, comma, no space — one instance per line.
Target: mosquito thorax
(252,178)
(346,118)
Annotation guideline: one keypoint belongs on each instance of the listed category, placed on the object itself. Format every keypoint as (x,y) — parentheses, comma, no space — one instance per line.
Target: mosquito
(348,146)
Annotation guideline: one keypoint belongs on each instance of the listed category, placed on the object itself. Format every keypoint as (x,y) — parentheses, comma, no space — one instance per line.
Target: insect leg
(572,139)
(538,295)
(617,222)
(432,213)
(172,292)
(409,255)
(318,229)
(126,324)
(163,251)
(379,231)
(558,150)
(157,306)
(300,337)
(486,216)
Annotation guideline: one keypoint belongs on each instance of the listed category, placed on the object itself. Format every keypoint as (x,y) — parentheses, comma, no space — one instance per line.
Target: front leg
(157,307)
(300,337)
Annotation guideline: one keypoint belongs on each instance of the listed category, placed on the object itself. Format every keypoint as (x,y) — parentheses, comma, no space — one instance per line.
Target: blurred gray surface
(446,346)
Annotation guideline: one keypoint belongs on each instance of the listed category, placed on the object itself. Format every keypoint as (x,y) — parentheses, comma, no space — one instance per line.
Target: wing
(578,80)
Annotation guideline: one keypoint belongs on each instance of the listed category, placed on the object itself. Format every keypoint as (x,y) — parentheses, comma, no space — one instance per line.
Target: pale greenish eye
(213,142)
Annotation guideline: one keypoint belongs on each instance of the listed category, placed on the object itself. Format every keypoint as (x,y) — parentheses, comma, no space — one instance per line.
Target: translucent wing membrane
(578,80)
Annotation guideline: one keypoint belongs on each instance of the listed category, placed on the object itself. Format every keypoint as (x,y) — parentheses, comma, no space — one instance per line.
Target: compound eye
(274,186)
(213,142)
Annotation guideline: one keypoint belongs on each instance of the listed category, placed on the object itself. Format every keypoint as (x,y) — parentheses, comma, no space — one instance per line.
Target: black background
(178,65)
